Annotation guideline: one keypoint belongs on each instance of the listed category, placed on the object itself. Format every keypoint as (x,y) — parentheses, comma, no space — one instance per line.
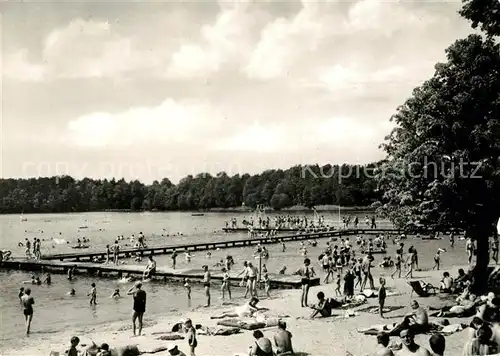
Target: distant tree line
(346,185)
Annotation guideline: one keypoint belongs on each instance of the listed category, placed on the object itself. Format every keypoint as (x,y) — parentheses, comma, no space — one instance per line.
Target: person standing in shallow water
(139,305)
(27,301)
(206,283)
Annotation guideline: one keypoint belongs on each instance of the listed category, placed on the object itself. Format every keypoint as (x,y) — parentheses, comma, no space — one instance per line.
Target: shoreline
(295,209)
(314,337)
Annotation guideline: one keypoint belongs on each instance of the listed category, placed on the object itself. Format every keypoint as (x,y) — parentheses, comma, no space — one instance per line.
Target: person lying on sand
(417,322)
(128,350)
(464,310)
(490,311)
(325,306)
(244,311)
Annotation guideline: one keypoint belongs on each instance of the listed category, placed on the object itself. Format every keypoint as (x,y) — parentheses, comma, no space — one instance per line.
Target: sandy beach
(329,336)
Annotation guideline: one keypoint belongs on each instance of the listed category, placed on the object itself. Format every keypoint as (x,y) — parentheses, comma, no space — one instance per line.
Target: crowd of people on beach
(349,267)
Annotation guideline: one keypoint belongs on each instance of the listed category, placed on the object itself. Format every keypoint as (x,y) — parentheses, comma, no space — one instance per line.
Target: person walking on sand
(93,294)
(28,301)
(410,262)
(139,306)
(206,283)
(437,259)
(306,272)
(397,266)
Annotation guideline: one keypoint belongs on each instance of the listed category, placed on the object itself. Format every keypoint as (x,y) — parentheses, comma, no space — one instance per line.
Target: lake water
(55,311)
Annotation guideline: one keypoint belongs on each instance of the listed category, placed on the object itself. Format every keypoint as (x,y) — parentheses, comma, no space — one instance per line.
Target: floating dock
(163,250)
(165,274)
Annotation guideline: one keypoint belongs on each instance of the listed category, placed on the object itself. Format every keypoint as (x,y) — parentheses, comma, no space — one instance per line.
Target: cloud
(170,122)
(257,138)
(285,82)
(226,41)
(18,66)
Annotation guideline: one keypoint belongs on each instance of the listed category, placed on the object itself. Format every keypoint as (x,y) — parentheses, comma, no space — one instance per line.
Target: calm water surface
(55,311)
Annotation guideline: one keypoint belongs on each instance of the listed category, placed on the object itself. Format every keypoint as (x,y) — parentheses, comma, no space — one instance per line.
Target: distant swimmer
(21,292)
(188,256)
(71,292)
(48,279)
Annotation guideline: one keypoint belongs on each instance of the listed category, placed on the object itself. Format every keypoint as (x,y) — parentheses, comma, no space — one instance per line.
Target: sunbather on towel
(325,305)
(465,310)
(417,321)
(246,310)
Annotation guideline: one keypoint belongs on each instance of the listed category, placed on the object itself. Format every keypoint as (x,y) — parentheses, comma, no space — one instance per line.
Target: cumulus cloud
(170,122)
(282,79)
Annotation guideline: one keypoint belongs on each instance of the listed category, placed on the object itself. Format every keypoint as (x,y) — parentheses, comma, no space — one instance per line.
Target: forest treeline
(311,185)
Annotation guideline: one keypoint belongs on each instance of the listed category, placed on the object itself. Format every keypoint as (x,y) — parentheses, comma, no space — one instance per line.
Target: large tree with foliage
(443,166)
(483,14)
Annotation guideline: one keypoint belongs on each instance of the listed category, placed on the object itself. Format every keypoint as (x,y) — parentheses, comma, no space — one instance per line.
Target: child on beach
(187,287)
(437,258)
(93,294)
(381,297)
(74,343)
(225,283)
(337,284)
(191,336)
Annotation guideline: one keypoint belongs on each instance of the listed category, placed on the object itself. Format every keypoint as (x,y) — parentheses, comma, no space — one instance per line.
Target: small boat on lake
(197,214)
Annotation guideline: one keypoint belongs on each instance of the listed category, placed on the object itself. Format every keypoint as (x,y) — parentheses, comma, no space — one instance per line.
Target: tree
(484,14)
(443,168)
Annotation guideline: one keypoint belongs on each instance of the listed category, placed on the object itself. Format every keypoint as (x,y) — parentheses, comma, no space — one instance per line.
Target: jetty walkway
(168,249)
(165,274)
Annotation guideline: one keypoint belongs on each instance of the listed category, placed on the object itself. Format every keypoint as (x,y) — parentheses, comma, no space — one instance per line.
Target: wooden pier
(164,274)
(163,250)
(266,229)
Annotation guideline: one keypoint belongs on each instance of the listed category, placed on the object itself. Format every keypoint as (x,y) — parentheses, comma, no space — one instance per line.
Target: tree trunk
(481,235)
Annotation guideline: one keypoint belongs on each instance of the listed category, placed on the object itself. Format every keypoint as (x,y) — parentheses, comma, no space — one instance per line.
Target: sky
(146,90)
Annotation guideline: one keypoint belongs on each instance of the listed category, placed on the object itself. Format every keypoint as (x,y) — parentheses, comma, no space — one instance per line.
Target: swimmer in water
(116,294)
(71,292)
